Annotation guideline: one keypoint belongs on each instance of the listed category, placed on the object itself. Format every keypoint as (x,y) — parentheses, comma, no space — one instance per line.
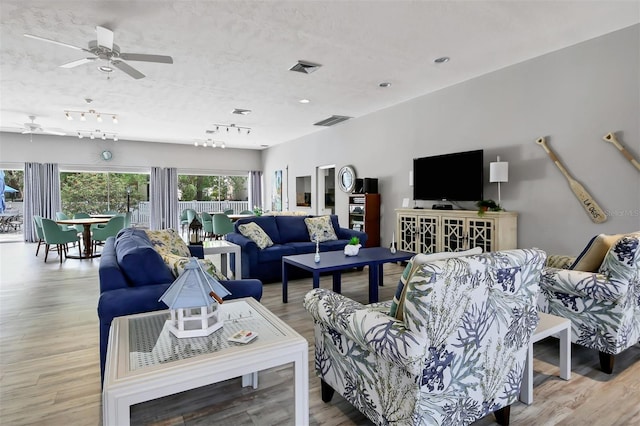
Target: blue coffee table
(336,262)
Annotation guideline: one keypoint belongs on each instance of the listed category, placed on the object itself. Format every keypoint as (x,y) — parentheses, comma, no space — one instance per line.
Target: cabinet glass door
(481,233)
(428,234)
(453,234)
(407,240)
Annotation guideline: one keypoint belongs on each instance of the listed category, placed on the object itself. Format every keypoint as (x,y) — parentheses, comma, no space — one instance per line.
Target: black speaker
(370,185)
(358,186)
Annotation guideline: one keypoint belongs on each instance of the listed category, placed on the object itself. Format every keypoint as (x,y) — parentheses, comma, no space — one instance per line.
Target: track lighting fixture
(83,115)
(97,132)
(228,127)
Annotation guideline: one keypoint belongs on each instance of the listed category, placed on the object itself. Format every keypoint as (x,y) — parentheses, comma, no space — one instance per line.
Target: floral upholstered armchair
(453,352)
(603,305)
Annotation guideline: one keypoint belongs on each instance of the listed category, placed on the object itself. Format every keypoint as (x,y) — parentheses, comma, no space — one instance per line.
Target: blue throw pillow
(139,261)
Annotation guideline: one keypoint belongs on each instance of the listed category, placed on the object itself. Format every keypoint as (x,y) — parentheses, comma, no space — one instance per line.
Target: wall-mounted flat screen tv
(456,177)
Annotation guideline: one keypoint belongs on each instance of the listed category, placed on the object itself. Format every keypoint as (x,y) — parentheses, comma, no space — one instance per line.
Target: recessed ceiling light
(384,84)
(304,101)
(441,60)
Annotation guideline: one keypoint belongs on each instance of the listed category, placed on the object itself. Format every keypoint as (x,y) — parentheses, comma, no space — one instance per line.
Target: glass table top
(151,343)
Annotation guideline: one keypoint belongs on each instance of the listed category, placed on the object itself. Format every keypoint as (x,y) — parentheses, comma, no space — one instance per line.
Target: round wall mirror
(347,178)
(106,155)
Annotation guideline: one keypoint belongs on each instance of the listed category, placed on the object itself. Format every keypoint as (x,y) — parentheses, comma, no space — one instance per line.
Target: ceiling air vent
(332,121)
(305,67)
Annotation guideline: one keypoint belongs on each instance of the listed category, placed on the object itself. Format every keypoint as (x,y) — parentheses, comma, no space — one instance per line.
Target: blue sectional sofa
(133,276)
(290,236)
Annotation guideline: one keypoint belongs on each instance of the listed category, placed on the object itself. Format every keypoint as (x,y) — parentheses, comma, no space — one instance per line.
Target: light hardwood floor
(50,364)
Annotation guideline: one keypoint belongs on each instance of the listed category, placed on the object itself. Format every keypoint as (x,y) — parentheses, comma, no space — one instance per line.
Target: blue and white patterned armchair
(603,306)
(457,355)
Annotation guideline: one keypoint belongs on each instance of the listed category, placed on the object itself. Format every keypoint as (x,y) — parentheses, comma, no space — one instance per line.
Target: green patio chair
(222,225)
(54,235)
(112,227)
(246,212)
(207,225)
(228,211)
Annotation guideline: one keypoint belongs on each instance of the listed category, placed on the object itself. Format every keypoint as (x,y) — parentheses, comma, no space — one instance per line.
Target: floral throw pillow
(255,233)
(177,263)
(168,241)
(320,228)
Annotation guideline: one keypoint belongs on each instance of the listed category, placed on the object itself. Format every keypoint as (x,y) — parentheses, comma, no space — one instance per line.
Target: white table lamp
(499,172)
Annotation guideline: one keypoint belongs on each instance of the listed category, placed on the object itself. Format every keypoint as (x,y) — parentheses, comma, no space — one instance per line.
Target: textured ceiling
(236,54)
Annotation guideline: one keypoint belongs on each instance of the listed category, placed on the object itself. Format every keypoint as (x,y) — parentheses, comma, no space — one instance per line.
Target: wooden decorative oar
(592,208)
(611,137)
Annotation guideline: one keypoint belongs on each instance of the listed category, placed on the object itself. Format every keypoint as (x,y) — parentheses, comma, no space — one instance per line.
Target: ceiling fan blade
(105,37)
(146,58)
(27,131)
(48,40)
(78,62)
(53,132)
(124,67)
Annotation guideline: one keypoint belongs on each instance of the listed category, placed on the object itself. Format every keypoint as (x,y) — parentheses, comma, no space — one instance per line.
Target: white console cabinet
(433,231)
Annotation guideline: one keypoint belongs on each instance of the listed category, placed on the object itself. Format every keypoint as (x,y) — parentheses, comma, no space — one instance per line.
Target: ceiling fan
(33,127)
(104,49)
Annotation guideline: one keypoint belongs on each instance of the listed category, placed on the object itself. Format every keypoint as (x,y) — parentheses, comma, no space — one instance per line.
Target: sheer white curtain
(41,195)
(255,189)
(32,200)
(155,199)
(163,198)
(170,204)
(51,200)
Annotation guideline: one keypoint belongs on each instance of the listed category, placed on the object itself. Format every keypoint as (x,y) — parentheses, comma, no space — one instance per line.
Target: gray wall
(573,97)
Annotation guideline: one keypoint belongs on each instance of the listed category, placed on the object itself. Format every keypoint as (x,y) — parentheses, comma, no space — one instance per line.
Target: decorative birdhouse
(193,299)
(195,231)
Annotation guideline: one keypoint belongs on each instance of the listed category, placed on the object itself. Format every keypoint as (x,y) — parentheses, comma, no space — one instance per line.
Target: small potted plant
(257,211)
(353,247)
(487,205)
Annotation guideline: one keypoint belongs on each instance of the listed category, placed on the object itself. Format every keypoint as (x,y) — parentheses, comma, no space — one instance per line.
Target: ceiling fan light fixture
(105,69)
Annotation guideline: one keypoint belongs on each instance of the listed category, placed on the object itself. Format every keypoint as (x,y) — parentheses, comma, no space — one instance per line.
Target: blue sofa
(290,236)
(133,276)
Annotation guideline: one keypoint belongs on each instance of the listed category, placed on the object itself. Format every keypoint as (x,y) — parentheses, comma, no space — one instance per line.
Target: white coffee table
(549,325)
(222,248)
(145,361)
